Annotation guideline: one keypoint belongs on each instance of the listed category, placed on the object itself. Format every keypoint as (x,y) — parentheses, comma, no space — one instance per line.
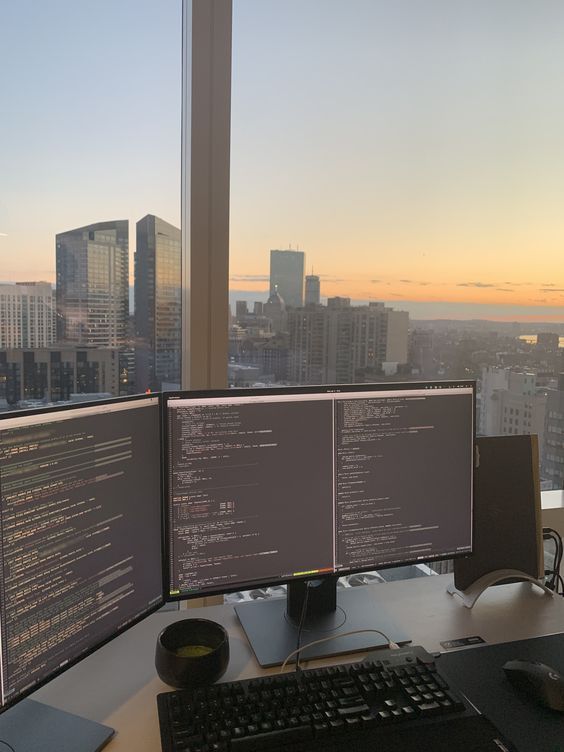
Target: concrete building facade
(27,315)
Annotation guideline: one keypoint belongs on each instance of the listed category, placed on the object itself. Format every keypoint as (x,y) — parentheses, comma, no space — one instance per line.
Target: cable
(393,645)
(301,624)
(552,576)
(7,745)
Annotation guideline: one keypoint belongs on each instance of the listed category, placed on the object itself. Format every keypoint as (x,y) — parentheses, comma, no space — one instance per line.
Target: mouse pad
(478,673)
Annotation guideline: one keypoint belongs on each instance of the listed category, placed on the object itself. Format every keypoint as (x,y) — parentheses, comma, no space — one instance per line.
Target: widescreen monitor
(286,485)
(80,534)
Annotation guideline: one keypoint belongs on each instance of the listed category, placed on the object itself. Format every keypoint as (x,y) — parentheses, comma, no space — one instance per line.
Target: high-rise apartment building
(287,276)
(158,304)
(510,403)
(337,343)
(27,315)
(93,284)
(312,290)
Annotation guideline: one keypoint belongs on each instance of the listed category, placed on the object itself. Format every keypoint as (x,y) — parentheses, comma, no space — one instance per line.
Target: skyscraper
(312,290)
(287,276)
(93,284)
(158,303)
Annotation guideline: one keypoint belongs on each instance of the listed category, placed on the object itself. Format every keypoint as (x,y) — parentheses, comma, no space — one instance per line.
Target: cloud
(539,300)
(249,278)
(3,234)
(548,284)
(474,284)
(414,282)
(504,289)
(375,281)
(329,278)
(551,289)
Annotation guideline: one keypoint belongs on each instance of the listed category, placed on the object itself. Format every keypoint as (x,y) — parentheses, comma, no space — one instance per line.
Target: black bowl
(191,653)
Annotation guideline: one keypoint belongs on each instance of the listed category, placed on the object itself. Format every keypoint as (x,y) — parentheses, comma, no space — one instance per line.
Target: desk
(117,685)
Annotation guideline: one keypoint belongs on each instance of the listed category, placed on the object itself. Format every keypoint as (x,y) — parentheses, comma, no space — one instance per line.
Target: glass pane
(90,206)
(396,203)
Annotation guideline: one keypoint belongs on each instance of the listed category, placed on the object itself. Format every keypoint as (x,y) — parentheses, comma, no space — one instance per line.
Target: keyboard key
(270,741)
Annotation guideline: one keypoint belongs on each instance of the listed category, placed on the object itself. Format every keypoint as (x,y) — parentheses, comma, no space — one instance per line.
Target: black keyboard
(337,707)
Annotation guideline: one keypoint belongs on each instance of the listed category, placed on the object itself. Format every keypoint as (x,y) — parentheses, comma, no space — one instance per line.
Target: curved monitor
(280,485)
(80,533)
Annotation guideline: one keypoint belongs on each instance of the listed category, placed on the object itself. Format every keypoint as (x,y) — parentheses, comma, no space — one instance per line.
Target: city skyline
(414,153)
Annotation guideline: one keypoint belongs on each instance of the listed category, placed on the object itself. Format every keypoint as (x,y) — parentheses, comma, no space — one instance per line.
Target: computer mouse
(538,681)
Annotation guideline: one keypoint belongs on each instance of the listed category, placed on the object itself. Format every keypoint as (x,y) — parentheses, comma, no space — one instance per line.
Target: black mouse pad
(478,673)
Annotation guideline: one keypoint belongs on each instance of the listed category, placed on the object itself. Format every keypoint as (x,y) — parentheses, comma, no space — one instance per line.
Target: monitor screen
(80,533)
(275,485)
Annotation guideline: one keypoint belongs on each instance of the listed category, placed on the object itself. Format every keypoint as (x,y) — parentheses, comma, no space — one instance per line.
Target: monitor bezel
(162,601)
(298,390)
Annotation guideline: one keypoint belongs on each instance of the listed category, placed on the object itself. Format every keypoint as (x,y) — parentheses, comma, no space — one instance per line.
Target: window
(90,215)
(396,198)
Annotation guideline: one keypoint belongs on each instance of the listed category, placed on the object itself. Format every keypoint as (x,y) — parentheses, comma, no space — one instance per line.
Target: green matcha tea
(193,651)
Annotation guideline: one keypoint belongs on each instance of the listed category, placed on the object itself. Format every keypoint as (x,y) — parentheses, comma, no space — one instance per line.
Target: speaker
(507,510)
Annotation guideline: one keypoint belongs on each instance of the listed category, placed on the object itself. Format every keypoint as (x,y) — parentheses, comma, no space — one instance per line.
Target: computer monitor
(80,539)
(287,485)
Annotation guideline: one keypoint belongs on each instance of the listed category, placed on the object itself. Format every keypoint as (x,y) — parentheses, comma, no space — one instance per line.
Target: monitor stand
(271,625)
(31,726)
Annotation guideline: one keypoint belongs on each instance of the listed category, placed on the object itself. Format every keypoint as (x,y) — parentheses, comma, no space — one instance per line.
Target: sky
(413,149)
(89,123)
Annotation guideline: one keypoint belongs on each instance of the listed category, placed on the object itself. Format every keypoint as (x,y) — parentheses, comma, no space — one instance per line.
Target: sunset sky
(413,149)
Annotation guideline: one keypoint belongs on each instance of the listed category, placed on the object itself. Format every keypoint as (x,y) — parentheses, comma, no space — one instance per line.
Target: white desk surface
(118,684)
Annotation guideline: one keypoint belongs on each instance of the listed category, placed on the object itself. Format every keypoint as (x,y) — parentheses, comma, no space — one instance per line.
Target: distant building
(56,373)
(93,284)
(421,357)
(338,343)
(287,276)
(241,309)
(548,340)
(27,315)
(275,310)
(158,303)
(510,403)
(312,290)
(552,465)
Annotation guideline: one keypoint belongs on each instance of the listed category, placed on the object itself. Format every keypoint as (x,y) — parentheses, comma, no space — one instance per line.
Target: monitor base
(31,726)
(272,633)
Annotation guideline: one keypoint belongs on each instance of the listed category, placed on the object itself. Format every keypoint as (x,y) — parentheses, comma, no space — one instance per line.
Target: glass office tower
(157,304)
(93,284)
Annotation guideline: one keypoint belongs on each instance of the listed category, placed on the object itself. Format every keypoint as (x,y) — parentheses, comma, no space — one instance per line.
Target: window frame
(205,175)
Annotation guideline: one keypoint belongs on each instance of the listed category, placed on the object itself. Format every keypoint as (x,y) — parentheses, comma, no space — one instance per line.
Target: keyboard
(378,704)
